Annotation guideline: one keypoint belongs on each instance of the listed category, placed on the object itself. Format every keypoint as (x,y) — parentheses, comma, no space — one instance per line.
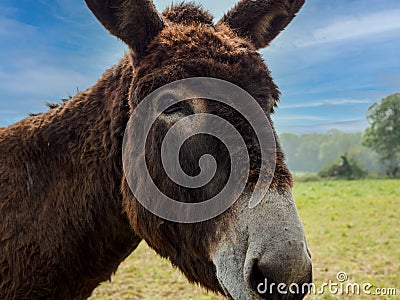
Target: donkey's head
(243,252)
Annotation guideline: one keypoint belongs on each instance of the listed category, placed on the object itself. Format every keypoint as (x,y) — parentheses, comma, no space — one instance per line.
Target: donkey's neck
(72,161)
(93,125)
(85,134)
(96,119)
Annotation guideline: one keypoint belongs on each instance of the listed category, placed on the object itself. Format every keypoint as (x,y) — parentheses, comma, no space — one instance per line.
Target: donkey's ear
(261,21)
(136,22)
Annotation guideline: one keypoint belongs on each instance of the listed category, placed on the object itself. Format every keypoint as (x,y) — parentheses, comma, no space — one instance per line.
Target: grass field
(351,226)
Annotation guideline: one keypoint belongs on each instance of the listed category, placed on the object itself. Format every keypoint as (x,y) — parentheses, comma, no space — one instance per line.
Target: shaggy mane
(188,13)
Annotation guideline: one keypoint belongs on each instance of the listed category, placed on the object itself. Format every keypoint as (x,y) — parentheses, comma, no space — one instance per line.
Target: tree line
(310,153)
(377,150)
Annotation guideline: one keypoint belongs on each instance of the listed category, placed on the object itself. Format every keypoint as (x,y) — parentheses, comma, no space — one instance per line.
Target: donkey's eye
(174,109)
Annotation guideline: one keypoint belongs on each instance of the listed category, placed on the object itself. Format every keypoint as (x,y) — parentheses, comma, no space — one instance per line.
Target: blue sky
(334,60)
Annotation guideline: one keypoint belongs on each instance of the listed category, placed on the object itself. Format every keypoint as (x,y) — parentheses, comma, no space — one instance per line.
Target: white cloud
(327,102)
(42,81)
(30,89)
(355,27)
(296,117)
(356,125)
(9,27)
(9,112)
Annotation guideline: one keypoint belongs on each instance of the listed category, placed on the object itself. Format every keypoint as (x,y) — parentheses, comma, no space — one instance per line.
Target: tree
(383,135)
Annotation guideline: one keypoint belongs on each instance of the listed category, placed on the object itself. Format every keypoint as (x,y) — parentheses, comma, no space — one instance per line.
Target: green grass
(351,226)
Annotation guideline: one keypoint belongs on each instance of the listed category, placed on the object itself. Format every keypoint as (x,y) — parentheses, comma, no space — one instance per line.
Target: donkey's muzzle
(284,274)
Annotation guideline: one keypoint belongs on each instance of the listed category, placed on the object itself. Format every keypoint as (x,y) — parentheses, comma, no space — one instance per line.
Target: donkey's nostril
(261,282)
(273,280)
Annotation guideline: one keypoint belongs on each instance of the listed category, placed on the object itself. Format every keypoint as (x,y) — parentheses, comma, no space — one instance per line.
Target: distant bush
(344,169)
(307,178)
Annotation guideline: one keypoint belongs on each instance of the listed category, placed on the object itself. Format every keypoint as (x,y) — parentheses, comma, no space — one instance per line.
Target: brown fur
(62,226)
(261,21)
(134,22)
(65,219)
(181,51)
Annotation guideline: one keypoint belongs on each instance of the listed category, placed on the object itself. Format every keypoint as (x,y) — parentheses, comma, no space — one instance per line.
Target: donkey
(68,215)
